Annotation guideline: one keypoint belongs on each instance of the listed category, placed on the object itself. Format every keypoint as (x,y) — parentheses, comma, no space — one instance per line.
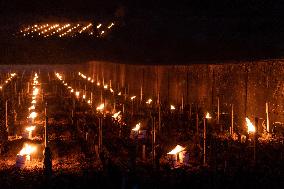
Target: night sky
(163,32)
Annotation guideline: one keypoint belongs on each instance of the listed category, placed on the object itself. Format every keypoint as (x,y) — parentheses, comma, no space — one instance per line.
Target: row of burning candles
(117,115)
(99,108)
(178,148)
(8,80)
(109,87)
(250,126)
(48,30)
(28,149)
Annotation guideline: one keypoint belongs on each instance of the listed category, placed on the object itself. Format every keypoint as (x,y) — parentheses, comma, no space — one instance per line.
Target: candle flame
(173,107)
(32,115)
(133,97)
(32,107)
(251,127)
(115,115)
(208,116)
(100,107)
(176,150)
(31,128)
(35,91)
(58,76)
(27,150)
(83,76)
(149,101)
(137,127)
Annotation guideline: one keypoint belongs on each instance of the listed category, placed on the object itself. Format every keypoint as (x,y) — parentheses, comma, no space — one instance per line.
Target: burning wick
(133,97)
(176,150)
(32,115)
(27,150)
(251,127)
(100,107)
(77,93)
(32,107)
(137,127)
(35,92)
(30,130)
(115,115)
(208,116)
(149,101)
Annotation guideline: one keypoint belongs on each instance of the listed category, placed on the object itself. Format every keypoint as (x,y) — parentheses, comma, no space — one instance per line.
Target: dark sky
(208,8)
(163,30)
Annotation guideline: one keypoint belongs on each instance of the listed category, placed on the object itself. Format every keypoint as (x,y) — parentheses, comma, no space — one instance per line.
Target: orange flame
(137,127)
(32,107)
(133,97)
(35,91)
(115,115)
(149,101)
(27,150)
(32,115)
(101,107)
(208,116)
(251,127)
(31,128)
(176,150)
(77,93)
